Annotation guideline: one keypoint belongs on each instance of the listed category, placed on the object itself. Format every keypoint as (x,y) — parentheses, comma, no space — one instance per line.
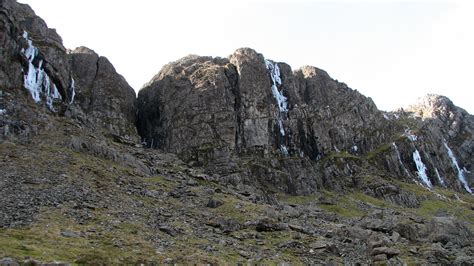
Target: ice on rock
(440,178)
(400,159)
(460,171)
(281,100)
(409,134)
(72,90)
(420,166)
(284,150)
(36,81)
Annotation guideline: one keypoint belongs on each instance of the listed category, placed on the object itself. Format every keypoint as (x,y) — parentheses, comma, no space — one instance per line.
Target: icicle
(421,169)
(282,101)
(400,159)
(36,81)
(460,171)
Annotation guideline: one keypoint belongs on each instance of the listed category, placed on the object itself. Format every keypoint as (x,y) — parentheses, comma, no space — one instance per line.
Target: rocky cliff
(75,83)
(252,121)
(237,160)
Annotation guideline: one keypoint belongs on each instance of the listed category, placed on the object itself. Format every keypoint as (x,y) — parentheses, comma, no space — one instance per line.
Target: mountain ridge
(219,160)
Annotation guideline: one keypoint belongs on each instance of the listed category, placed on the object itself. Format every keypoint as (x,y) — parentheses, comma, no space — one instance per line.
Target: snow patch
(460,171)
(355,148)
(3,112)
(421,169)
(36,81)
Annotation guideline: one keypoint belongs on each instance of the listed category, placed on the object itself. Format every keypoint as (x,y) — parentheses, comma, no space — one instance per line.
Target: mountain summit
(219,161)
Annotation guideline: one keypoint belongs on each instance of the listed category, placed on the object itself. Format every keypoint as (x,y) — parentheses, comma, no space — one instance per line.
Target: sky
(391,51)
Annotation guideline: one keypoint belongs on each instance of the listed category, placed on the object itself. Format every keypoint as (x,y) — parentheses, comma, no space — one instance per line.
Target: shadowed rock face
(78,83)
(104,96)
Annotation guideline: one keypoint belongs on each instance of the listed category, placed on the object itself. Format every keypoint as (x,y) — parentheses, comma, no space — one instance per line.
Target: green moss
(344,206)
(160,182)
(44,241)
(342,210)
(382,149)
(371,200)
(298,200)
(239,210)
(342,155)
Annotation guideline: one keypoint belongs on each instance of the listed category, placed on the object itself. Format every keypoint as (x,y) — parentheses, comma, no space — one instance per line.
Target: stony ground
(82,198)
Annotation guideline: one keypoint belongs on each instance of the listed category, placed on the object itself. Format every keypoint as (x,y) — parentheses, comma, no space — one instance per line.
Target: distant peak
(432,105)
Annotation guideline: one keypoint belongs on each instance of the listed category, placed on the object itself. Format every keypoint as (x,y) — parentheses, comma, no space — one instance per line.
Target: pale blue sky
(391,51)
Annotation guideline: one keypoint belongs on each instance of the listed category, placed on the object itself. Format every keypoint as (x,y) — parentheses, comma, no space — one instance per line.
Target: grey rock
(8,262)
(269,225)
(214,203)
(448,229)
(69,234)
(390,252)
(105,100)
(380,257)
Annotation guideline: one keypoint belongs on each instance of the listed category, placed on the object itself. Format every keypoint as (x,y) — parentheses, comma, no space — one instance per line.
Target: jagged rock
(390,252)
(447,229)
(324,245)
(269,225)
(15,20)
(214,203)
(228,111)
(380,257)
(8,262)
(393,194)
(103,95)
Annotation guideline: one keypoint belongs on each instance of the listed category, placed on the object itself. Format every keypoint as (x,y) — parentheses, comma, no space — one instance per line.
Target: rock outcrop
(105,99)
(36,68)
(251,121)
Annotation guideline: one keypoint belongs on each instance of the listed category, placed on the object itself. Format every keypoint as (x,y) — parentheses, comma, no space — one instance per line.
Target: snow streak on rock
(460,171)
(36,81)
(420,166)
(282,101)
(440,178)
(72,89)
(409,134)
(400,159)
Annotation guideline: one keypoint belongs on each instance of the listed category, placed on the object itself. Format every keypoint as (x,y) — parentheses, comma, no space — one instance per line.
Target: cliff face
(35,67)
(241,161)
(245,118)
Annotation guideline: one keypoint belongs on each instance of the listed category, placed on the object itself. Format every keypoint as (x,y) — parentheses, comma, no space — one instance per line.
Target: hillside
(226,160)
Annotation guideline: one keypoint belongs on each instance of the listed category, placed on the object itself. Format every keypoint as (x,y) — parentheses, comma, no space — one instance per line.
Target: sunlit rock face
(216,111)
(250,120)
